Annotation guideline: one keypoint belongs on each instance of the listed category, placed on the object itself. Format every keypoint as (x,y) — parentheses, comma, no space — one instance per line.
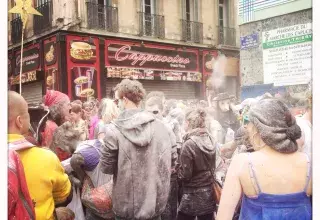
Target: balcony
(226,36)
(151,25)
(192,31)
(16,30)
(102,17)
(43,23)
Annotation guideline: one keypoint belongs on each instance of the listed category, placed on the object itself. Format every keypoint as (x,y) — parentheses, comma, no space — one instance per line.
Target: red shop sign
(148,56)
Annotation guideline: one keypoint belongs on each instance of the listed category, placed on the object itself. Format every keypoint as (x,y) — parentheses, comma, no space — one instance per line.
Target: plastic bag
(76,206)
(97,177)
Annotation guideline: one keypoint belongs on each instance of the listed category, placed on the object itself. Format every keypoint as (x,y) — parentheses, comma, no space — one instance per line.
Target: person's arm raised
(232,189)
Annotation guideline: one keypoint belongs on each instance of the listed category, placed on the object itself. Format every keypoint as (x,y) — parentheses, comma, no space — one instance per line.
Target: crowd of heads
(268,121)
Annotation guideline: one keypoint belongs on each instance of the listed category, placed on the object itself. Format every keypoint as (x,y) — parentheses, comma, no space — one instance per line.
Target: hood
(135,125)
(201,137)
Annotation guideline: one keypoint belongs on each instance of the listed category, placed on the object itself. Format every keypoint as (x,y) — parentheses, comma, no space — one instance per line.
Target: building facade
(276,46)
(84,48)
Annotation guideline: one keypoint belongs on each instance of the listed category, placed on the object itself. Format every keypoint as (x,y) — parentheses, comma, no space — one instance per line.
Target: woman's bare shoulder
(238,162)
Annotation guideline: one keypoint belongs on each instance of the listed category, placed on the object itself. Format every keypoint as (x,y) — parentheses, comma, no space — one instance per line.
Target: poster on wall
(25,77)
(84,82)
(50,56)
(287,55)
(249,41)
(51,67)
(231,66)
(148,74)
(52,79)
(83,56)
(82,51)
(31,61)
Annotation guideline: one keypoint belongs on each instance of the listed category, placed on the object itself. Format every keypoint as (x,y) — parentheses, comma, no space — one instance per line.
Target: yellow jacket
(47,182)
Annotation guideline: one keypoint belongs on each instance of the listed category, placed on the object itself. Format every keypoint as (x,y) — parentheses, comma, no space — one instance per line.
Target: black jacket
(197,158)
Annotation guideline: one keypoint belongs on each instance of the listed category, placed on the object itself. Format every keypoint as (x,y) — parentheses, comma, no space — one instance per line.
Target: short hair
(170,104)
(79,102)
(89,104)
(196,118)
(177,114)
(56,112)
(76,108)
(156,94)
(132,90)
(66,137)
(155,100)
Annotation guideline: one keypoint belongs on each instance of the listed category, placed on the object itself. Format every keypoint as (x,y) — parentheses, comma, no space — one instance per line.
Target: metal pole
(21,60)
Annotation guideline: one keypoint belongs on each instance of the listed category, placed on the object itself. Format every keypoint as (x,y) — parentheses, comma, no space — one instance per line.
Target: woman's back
(275,185)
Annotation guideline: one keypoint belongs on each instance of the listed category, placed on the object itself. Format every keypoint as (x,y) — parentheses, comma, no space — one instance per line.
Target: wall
(172,15)
(72,15)
(251,61)
(281,7)
(128,16)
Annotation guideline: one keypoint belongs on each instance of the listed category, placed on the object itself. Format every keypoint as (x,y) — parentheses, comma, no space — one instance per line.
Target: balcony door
(41,2)
(104,13)
(190,14)
(149,10)
(223,22)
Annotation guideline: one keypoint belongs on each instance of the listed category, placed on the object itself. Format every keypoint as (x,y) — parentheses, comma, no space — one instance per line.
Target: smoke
(217,80)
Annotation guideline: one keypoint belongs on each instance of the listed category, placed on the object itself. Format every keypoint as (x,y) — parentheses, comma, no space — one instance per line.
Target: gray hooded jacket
(137,152)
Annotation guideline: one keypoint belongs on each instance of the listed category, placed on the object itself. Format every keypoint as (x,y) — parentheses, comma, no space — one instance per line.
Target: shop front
(171,70)
(32,75)
(84,66)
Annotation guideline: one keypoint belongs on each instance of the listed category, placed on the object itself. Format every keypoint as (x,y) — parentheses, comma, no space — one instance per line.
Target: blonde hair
(108,110)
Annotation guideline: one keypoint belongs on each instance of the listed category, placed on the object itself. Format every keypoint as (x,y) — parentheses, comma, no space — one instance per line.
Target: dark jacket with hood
(137,152)
(194,171)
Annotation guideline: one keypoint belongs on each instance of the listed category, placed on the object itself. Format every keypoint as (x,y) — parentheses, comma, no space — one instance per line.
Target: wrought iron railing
(102,17)
(226,36)
(16,30)
(192,31)
(151,25)
(44,22)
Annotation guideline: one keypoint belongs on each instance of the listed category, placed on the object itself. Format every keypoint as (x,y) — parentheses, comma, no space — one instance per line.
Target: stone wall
(251,61)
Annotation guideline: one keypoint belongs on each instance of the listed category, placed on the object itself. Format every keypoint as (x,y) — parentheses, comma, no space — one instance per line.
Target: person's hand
(75,181)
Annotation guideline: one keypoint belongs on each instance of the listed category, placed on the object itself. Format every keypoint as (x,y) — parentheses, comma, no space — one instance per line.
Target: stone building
(83,48)
(282,67)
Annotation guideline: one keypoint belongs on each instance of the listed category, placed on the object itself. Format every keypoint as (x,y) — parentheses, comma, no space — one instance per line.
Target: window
(41,2)
(190,10)
(149,10)
(148,6)
(14,16)
(223,13)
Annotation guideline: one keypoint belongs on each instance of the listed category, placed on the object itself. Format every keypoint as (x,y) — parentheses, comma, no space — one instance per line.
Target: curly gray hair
(56,112)
(196,118)
(65,137)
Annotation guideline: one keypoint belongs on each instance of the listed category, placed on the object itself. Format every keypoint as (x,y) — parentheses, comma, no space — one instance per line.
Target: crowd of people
(141,156)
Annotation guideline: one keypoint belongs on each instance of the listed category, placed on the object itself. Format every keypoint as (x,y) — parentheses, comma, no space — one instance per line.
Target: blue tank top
(294,206)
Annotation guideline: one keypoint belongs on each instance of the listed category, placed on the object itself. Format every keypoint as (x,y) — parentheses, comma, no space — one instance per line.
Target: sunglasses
(155,112)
